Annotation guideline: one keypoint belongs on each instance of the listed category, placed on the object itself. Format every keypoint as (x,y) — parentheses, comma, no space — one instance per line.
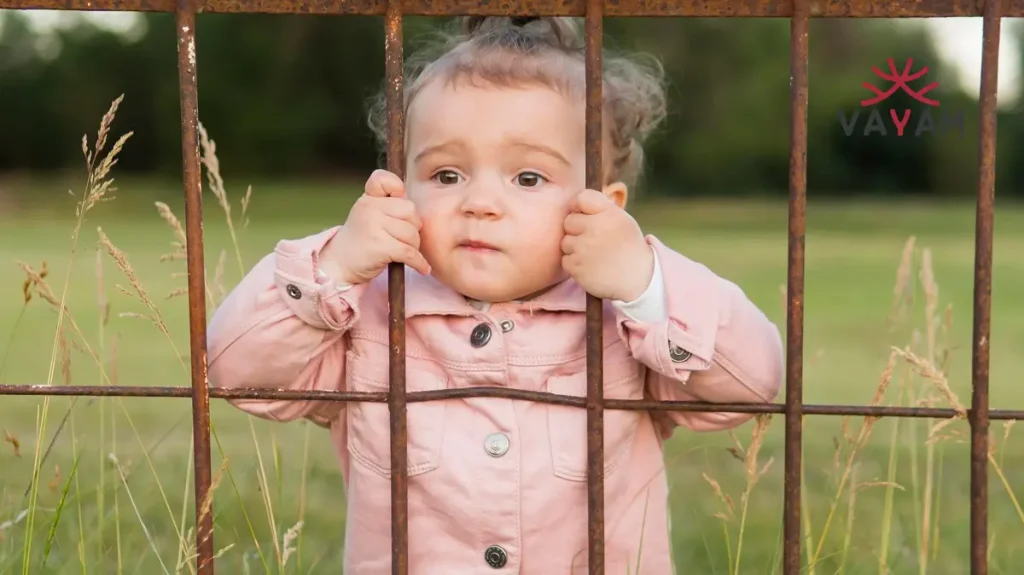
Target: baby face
(492,171)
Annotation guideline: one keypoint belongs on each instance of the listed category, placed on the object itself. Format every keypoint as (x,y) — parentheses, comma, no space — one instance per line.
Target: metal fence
(799,12)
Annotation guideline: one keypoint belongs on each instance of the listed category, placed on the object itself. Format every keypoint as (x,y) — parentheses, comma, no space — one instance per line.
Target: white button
(496,444)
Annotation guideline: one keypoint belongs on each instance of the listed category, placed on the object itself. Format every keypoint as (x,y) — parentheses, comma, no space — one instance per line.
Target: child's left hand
(604,249)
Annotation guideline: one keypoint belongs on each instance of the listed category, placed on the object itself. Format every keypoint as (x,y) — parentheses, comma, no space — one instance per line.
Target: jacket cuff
(682,338)
(312,296)
(650,306)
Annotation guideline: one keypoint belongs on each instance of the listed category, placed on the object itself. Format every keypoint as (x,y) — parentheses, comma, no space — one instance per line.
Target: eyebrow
(537,147)
(449,146)
(457,145)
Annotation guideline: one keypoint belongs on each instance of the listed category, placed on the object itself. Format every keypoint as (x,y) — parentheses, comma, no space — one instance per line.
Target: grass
(114,493)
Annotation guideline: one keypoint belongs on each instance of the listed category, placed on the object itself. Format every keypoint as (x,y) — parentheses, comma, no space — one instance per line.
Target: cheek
(432,230)
(434,220)
(543,234)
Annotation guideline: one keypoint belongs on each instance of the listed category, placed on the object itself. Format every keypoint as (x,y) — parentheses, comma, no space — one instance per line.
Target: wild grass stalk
(97,186)
(931,294)
(212,164)
(301,511)
(103,306)
(851,506)
(214,294)
(753,471)
(807,528)
(112,456)
(854,447)
(138,514)
(185,544)
(80,546)
(890,490)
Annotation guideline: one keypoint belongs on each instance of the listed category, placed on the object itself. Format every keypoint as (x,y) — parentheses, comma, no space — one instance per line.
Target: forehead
(483,113)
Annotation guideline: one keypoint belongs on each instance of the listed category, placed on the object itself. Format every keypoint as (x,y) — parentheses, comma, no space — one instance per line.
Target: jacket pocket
(567,426)
(369,424)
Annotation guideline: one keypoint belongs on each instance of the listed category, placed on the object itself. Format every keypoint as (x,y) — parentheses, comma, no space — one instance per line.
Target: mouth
(477,246)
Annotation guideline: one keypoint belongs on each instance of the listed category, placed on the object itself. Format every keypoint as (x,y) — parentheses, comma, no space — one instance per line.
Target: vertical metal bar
(188,89)
(983,288)
(798,56)
(594,34)
(396,301)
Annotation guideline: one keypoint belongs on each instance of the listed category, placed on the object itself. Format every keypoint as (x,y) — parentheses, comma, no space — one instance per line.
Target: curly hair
(503,51)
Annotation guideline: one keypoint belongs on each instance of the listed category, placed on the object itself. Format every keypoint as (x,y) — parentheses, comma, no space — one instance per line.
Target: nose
(483,199)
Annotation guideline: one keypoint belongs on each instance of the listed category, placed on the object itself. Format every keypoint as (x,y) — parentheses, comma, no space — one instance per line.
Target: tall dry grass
(118,503)
(920,367)
(914,374)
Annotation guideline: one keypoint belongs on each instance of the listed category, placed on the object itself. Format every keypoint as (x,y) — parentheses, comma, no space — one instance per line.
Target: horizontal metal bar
(691,8)
(496,392)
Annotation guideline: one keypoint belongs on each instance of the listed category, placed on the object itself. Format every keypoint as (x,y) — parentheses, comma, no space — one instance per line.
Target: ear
(618,193)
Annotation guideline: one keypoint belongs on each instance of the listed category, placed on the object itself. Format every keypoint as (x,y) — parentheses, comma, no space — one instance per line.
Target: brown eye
(447,178)
(529,180)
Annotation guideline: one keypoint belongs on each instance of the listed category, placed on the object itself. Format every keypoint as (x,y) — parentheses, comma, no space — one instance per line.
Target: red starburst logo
(900,81)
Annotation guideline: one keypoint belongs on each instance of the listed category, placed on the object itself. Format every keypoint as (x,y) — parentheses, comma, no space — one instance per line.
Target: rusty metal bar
(502,392)
(594,34)
(396,302)
(191,174)
(799,33)
(980,416)
(617,8)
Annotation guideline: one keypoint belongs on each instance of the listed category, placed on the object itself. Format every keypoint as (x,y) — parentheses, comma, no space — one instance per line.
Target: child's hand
(381,228)
(604,249)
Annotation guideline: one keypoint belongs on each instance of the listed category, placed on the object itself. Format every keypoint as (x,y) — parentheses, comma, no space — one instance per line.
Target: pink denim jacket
(496,485)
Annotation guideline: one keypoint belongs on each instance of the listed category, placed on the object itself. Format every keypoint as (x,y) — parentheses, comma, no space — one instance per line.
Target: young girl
(501,241)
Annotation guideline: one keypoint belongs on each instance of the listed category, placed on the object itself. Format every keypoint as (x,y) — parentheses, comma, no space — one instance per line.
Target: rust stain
(979,415)
(396,300)
(189,96)
(594,29)
(794,411)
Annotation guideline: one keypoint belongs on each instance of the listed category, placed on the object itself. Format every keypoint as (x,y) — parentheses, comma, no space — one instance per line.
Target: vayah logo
(878,116)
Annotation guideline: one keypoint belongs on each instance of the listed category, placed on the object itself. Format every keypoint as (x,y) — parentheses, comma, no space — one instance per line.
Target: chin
(483,289)
(488,293)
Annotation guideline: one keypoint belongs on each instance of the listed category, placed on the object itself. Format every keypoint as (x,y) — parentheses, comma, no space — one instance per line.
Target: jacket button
(496,557)
(293,291)
(496,444)
(678,354)
(507,325)
(480,336)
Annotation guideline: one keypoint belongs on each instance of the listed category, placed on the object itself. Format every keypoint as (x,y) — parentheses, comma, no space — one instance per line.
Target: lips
(477,245)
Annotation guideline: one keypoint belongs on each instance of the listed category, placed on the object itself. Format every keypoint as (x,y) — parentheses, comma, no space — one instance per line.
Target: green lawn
(853,251)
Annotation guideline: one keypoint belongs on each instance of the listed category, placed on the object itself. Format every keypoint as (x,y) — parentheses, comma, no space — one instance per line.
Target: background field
(132,486)
(284,98)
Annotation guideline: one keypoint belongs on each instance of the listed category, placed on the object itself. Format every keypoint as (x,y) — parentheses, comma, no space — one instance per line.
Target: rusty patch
(980,416)
(594,34)
(396,303)
(191,174)
(799,32)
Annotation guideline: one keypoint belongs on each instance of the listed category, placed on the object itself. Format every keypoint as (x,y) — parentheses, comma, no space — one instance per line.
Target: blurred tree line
(286,96)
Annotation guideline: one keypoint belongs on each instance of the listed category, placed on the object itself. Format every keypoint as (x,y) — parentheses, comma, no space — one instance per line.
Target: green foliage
(286,96)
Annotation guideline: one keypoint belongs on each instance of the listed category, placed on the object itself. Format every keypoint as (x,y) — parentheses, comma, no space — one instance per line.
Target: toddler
(501,241)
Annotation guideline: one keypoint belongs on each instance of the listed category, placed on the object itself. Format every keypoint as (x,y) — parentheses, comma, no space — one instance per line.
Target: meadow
(888,320)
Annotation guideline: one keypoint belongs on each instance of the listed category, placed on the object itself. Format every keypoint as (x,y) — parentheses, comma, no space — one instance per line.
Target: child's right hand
(381,228)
